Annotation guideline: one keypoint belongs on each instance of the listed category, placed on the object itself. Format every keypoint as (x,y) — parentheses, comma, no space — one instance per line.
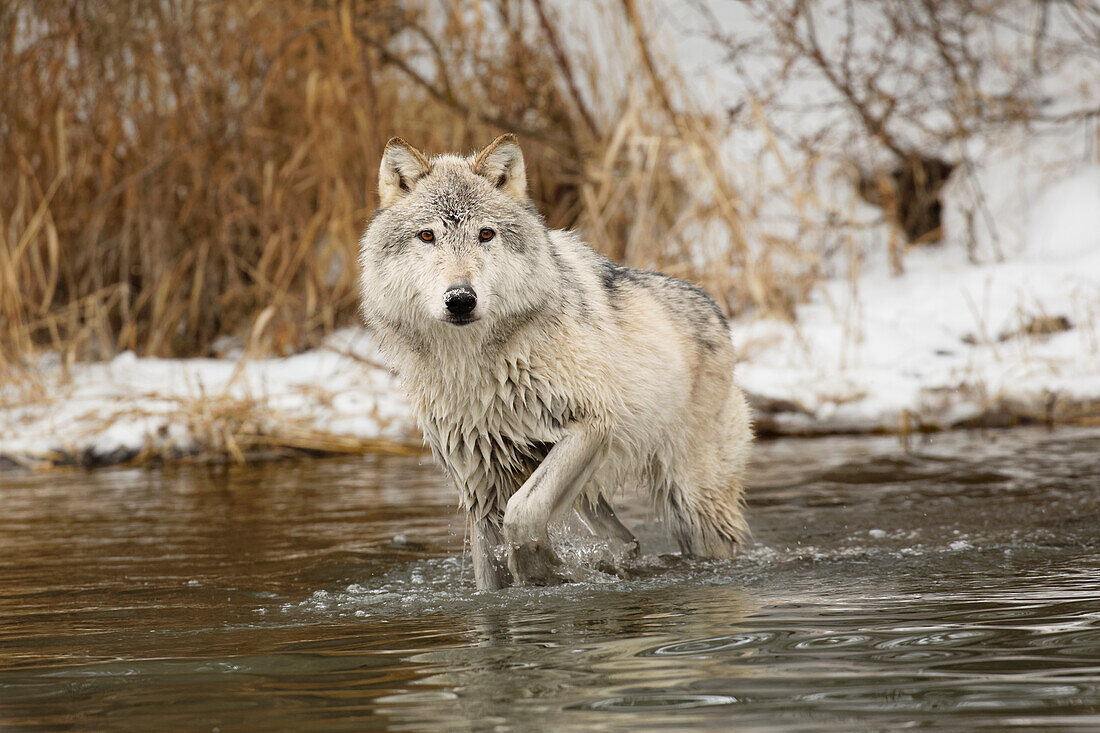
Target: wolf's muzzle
(460,300)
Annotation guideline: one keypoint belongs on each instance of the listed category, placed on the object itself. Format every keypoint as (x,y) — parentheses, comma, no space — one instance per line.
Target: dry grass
(179,171)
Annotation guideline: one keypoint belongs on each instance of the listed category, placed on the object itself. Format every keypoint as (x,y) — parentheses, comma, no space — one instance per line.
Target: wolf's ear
(402,165)
(502,163)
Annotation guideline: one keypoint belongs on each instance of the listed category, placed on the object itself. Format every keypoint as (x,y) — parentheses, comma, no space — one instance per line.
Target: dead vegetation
(190,178)
(181,174)
(181,171)
(890,93)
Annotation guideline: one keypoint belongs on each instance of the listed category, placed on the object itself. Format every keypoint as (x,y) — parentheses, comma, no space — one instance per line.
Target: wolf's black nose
(460,300)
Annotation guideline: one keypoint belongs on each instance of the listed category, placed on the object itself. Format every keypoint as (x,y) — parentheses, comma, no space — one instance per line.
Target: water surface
(956,586)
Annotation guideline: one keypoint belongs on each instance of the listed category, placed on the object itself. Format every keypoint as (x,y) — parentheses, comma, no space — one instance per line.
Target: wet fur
(579,377)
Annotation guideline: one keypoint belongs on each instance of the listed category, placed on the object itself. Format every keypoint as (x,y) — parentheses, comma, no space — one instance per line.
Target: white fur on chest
(489,421)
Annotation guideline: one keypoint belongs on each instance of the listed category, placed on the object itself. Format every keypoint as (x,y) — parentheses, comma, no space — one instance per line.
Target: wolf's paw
(643,566)
(620,559)
(534,563)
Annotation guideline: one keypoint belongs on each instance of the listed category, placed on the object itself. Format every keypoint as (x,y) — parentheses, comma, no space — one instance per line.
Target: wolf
(544,376)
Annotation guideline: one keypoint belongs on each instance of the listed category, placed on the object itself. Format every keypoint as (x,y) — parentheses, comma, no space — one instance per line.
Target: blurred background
(896,201)
(182,176)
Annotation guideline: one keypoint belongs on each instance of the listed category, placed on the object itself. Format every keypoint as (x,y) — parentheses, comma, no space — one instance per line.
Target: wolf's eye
(486,234)
(426,235)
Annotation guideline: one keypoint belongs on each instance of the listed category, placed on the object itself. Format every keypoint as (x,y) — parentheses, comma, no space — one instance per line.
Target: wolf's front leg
(487,549)
(550,490)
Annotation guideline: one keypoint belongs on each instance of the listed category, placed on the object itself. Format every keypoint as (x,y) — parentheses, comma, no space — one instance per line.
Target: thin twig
(448,99)
(566,69)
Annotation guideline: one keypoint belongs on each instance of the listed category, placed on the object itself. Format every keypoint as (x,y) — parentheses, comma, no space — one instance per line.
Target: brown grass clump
(175,172)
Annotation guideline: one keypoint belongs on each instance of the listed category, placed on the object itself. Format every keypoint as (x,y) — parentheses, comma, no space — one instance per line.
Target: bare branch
(566,70)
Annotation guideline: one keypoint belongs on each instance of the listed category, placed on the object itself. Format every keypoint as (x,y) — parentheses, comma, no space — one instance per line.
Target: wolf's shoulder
(619,282)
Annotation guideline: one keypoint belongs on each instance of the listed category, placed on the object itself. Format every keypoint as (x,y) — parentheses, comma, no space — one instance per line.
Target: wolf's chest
(491,434)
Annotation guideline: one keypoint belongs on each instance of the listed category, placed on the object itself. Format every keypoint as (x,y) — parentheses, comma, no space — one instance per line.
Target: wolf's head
(456,240)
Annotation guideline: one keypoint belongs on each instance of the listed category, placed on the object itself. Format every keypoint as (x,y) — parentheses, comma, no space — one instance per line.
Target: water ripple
(656,702)
(833,641)
(939,639)
(709,645)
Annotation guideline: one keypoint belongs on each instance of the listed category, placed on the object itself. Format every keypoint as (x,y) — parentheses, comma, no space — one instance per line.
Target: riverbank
(965,346)
(949,343)
(335,399)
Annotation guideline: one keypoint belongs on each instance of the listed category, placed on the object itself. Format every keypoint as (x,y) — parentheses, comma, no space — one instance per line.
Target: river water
(953,585)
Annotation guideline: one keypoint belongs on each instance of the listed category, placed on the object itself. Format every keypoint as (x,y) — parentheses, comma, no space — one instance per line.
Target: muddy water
(956,586)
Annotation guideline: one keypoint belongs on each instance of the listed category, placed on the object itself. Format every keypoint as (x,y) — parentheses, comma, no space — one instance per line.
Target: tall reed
(179,171)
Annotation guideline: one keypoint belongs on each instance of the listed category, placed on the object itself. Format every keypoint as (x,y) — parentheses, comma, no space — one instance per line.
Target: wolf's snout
(460,300)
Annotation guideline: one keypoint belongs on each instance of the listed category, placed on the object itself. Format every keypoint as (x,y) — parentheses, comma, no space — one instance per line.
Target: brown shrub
(178,171)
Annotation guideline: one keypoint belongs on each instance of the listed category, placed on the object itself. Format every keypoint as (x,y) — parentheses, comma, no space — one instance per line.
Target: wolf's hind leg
(487,549)
(707,523)
(601,521)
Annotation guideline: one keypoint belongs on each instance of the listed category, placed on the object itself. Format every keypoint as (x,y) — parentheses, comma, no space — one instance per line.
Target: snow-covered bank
(948,343)
(335,398)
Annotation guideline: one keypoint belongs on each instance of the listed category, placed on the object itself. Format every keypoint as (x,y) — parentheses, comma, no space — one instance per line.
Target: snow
(928,344)
(111,411)
(941,345)
(949,340)
(1067,219)
(998,321)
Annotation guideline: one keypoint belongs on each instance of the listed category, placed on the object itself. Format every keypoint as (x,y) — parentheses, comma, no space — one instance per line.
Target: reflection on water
(957,586)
